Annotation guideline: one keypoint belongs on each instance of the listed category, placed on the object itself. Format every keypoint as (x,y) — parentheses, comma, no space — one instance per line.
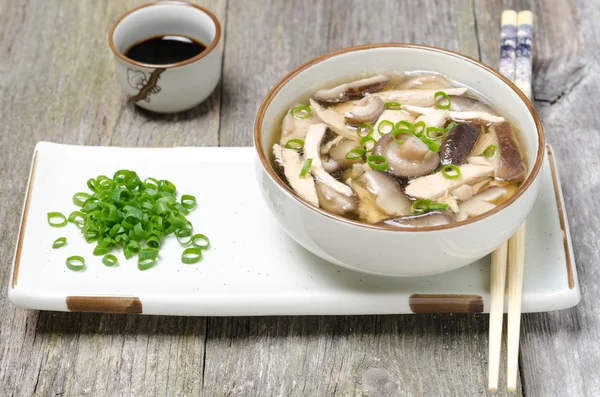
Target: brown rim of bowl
(208,49)
(267,166)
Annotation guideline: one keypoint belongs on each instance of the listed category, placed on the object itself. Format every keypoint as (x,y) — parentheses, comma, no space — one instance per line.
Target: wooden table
(57,83)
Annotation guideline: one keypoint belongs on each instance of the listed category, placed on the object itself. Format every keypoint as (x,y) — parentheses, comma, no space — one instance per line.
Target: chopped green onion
(80,198)
(364,129)
(450,171)
(301,111)
(434,147)
(200,237)
(442,100)
(434,133)
(110,260)
(166,186)
(145,264)
(148,253)
(75,263)
(355,154)
(191,256)
(450,126)
(151,183)
(305,168)
(393,105)
(78,218)
(395,135)
(489,152)
(419,207)
(419,128)
(59,242)
(404,127)
(365,141)
(124,212)
(385,123)
(56,219)
(99,250)
(181,234)
(438,206)
(188,201)
(294,144)
(377,162)
(132,248)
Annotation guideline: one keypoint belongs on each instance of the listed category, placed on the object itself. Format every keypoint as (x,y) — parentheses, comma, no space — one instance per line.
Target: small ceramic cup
(172,87)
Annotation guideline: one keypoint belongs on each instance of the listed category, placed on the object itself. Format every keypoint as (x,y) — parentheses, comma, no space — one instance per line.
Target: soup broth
(404,150)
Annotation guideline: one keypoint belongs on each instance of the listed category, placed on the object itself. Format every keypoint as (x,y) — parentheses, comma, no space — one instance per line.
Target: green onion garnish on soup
(450,171)
(294,144)
(385,124)
(305,168)
(442,100)
(355,154)
(364,130)
(393,105)
(489,152)
(377,162)
(301,111)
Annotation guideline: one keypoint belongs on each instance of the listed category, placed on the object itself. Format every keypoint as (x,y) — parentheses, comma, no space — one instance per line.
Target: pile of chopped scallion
(126,213)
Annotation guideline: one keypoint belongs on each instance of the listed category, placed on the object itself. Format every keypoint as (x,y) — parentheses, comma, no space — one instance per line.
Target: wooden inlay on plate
(445,303)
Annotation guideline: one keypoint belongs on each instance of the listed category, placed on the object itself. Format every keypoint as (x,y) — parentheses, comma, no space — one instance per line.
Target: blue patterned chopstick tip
(524,60)
(508,44)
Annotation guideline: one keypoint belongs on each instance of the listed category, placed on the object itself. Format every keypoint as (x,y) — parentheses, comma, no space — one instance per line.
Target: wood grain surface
(57,83)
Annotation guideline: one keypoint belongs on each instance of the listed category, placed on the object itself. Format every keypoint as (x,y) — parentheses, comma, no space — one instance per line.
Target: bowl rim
(207,50)
(277,87)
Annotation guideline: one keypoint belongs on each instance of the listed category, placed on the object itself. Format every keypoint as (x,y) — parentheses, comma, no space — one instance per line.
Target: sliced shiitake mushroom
(354,90)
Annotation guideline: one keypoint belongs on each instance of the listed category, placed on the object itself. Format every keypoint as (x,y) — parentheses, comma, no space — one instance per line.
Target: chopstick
(515,50)
(516,261)
(516,244)
(498,282)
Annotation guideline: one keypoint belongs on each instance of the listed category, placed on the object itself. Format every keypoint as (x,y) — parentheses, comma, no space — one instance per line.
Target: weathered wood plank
(57,83)
(559,350)
(285,35)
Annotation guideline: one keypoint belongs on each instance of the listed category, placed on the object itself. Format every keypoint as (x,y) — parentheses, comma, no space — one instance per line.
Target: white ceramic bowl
(171,87)
(383,249)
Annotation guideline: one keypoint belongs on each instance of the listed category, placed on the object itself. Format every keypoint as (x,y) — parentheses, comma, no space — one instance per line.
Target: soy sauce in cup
(163,50)
(167,55)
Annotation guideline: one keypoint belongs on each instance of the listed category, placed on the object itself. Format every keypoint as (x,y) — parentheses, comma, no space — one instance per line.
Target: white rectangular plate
(253,267)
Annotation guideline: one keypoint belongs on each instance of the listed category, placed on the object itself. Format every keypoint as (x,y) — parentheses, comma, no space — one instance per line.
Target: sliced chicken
(467,104)
(334,120)
(312,145)
(416,97)
(434,186)
(480,203)
(295,128)
(354,90)
(473,117)
(463,193)
(367,209)
(450,200)
(292,166)
(476,117)
(425,81)
(327,146)
(437,118)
